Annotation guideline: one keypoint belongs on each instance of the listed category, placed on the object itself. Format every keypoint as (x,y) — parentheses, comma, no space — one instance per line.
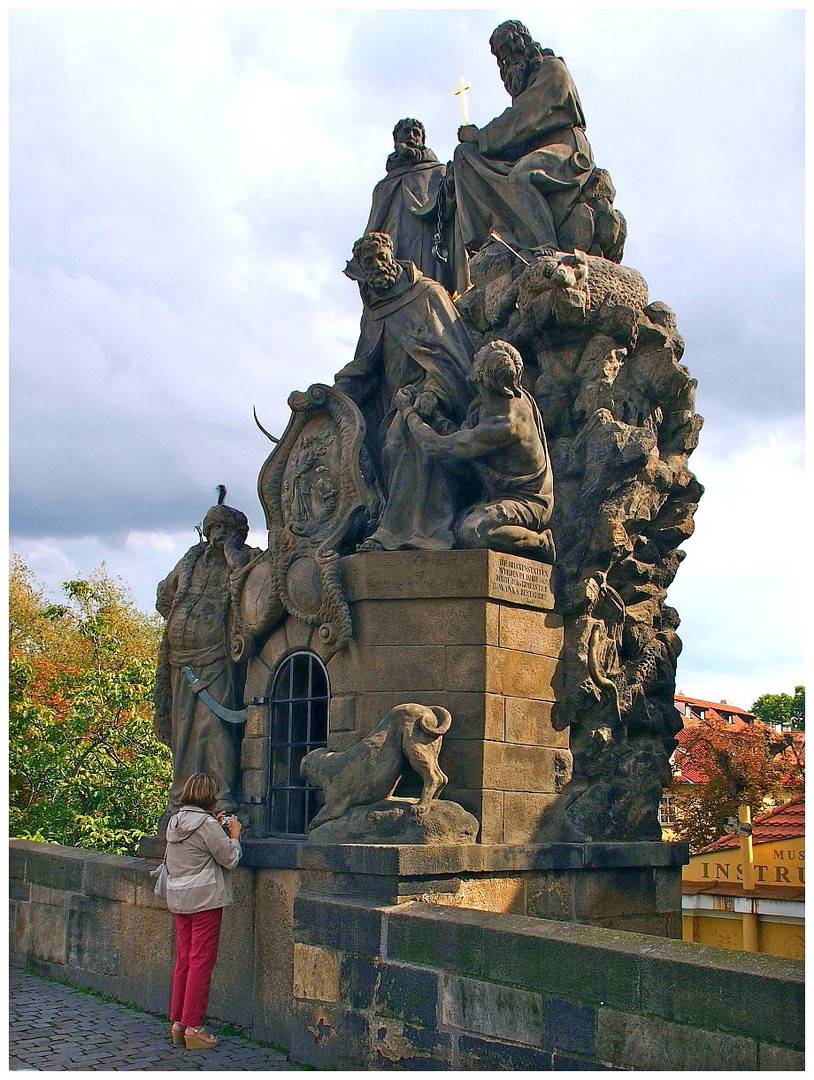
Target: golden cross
(460,92)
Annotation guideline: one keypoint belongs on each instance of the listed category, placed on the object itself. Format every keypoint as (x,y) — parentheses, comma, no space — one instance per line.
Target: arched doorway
(298,723)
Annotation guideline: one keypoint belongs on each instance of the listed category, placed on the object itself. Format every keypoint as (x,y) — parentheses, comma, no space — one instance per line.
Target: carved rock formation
(604,365)
(394,821)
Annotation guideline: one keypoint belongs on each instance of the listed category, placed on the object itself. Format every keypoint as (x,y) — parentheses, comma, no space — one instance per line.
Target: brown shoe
(198,1038)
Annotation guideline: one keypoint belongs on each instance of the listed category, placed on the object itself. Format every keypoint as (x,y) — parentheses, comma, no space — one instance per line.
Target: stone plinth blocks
(472,631)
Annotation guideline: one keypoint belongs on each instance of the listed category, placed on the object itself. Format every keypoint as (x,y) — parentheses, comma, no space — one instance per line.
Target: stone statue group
(514,245)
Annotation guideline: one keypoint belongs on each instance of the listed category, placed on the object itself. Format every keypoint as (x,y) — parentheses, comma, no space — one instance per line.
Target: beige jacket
(198,852)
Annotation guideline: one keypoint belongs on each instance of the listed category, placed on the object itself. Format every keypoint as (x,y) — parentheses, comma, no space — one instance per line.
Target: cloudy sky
(185,189)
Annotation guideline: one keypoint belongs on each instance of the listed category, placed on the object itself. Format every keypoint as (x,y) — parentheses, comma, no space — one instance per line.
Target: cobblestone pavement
(54,1027)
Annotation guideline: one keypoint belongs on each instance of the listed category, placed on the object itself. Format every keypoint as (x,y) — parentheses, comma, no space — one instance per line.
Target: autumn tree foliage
(85,767)
(745,766)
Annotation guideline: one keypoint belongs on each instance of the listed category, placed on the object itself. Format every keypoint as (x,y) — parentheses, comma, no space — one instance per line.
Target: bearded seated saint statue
(527,174)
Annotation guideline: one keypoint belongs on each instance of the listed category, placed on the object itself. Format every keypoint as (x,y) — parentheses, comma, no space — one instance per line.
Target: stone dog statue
(368,772)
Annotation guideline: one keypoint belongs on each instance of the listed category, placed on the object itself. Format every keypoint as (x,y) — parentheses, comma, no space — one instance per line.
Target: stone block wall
(427,987)
(472,631)
(343,982)
(93,920)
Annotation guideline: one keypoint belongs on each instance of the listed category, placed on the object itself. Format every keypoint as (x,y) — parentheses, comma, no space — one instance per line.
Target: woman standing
(199,858)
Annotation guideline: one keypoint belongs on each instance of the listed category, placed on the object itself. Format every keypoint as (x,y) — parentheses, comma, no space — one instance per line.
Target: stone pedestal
(473,631)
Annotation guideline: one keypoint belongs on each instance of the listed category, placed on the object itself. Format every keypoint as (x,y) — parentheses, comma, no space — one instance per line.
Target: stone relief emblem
(318,502)
(310,490)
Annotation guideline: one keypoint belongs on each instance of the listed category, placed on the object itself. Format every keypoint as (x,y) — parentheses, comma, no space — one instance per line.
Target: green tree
(85,767)
(783,708)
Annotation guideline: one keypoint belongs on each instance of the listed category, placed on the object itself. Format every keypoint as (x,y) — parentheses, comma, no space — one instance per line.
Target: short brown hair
(200,790)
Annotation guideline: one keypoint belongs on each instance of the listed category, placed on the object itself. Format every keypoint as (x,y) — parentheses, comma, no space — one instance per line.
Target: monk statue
(411,335)
(414,175)
(199,689)
(523,173)
(504,440)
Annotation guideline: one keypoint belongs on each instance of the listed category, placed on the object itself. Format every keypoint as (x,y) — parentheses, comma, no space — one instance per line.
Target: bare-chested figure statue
(504,439)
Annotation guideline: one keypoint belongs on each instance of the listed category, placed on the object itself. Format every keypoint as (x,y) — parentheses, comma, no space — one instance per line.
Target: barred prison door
(298,723)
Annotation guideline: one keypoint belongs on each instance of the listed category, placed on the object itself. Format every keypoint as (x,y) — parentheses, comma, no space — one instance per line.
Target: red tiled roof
(785,822)
(683,760)
(717,706)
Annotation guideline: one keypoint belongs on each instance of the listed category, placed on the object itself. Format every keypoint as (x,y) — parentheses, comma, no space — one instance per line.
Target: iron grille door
(298,724)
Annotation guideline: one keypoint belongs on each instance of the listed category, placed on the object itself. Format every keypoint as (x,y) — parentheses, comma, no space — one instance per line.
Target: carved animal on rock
(407,735)
(577,287)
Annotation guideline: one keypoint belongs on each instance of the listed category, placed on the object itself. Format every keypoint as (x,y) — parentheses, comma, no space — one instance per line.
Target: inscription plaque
(520,581)
(404,575)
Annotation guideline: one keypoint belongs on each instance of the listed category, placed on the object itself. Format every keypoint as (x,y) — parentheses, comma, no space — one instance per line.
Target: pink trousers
(196,950)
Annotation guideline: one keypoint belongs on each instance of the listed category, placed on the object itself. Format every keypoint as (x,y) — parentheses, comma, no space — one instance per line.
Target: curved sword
(231,716)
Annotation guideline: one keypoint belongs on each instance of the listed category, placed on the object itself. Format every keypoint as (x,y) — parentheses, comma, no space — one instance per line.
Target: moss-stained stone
(397,1045)
(316,973)
(703,985)
(659,925)
(408,993)
(637,1042)
(474,1053)
(56,867)
(93,934)
(327,1036)
(19,890)
(569,1026)
(357,980)
(349,926)
(454,945)
(579,963)
(486,1009)
(779,1059)
(16,862)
